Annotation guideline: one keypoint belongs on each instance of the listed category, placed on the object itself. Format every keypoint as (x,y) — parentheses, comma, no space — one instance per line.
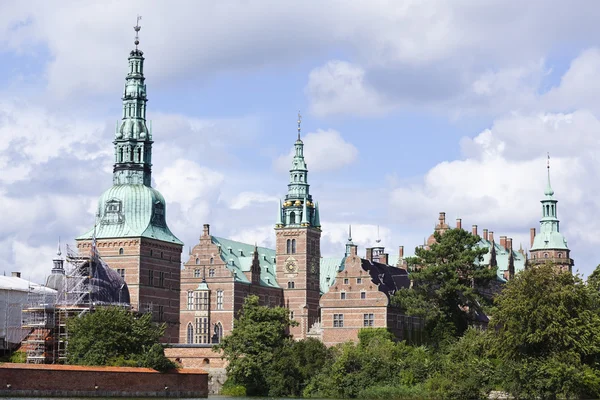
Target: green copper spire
(298,207)
(549,236)
(131,207)
(133,140)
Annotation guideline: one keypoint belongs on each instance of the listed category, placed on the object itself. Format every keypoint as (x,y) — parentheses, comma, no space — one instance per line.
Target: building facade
(130,232)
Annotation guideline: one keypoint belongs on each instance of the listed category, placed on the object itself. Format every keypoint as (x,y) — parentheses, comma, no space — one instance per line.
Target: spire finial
(549,191)
(378,238)
(349,233)
(299,122)
(137,28)
(58,252)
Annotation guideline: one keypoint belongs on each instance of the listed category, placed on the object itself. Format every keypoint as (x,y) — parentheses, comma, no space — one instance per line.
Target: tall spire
(349,233)
(298,207)
(549,191)
(133,139)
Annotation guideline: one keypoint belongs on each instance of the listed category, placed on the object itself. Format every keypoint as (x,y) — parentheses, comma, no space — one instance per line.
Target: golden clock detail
(291,267)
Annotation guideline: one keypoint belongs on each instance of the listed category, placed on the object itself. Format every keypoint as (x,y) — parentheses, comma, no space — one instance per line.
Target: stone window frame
(359,281)
(190,333)
(368,320)
(363,294)
(343,295)
(346,281)
(338,320)
(197,273)
(190,300)
(211,273)
(220,299)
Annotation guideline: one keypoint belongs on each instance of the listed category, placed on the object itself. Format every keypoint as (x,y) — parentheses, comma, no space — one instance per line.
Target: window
(288,246)
(363,295)
(190,302)
(346,281)
(545,255)
(161,279)
(338,320)
(293,246)
(121,272)
(161,313)
(190,333)
(151,252)
(290,285)
(559,255)
(292,218)
(219,299)
(343,295)
(151,278)
(197,261)
(212,260)
(211,272)
(368,319)
(121,251)
(201,300)
(291,315)
(358,281)
(218,329)
(196,273)
(201,330)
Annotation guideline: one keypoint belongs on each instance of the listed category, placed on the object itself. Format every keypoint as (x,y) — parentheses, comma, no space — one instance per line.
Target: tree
(548,334)
(259,334)
(116,336)
(594,279)
(446,279)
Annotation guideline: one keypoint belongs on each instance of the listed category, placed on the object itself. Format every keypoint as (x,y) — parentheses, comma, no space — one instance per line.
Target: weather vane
(137,28)
(299,122)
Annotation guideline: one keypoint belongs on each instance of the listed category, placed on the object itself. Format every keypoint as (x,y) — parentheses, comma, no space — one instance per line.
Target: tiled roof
(502,258)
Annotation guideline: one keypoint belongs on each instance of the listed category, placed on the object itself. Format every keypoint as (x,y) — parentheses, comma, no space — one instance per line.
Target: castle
(330,298)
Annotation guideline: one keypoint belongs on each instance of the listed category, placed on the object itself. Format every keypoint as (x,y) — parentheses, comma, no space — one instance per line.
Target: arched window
(292,218)
(559,255)
(547,210)
(293,246)
(190,301)
(190,333)
(121,251)
(545,255)
(553,213)
(197,261)
(295,178)
(212,260)
(218,333)
(291,285)
(288,247)
(206,361)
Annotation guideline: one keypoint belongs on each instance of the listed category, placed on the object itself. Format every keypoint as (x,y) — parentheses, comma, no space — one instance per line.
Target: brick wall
(65,380)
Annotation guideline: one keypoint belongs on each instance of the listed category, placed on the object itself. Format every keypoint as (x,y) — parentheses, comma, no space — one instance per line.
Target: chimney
(369,255)
(491,235)
(442,218)
(485,234)
(509,243)
(383,258)
(531,236)
(474,230)
(503,241)
(15,274)
(206,230)
(401,252)
(458,223)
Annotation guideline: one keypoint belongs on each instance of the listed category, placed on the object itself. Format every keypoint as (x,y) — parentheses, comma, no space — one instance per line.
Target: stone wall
(200,356)
(29,380)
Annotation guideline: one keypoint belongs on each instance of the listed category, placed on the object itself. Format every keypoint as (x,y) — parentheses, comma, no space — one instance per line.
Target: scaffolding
(47,317)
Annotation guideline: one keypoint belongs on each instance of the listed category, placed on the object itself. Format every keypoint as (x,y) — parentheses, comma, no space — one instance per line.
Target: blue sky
(409,108)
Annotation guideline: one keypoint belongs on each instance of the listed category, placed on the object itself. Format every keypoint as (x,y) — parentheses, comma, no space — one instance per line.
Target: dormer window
(113,212)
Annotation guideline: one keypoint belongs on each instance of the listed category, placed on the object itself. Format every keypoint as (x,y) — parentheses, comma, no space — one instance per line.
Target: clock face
(290,266)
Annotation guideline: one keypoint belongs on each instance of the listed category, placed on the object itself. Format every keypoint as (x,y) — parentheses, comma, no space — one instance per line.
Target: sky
(408,108)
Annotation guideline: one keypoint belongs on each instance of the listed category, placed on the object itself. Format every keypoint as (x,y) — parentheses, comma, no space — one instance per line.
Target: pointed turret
(58,262)
(349,243)
(549,244)
(255,268)
(298,208)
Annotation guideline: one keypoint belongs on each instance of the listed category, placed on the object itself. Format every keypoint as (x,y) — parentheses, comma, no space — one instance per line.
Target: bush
(18,357)
(233,390)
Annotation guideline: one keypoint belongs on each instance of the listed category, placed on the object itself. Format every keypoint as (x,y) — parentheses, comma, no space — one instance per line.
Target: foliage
(446,279)
(233,390)
(259,334)
(548,334)
(394,392)
(18,357)
(594,279)
(116,336)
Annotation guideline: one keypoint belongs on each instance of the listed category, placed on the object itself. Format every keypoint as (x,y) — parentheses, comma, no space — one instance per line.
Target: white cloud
(245,199)
(263,236)
(324,150)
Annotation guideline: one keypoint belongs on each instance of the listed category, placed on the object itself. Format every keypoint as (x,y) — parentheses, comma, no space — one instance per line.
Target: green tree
(259,334)
(116,336)
(446,279)
(594,279)
(548,334)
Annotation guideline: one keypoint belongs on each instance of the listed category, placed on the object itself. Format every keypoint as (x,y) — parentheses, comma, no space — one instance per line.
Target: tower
(131,232)
(298,246)
(549,245)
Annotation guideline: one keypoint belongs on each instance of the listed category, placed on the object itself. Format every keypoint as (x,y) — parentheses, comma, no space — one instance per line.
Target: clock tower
(298,246)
